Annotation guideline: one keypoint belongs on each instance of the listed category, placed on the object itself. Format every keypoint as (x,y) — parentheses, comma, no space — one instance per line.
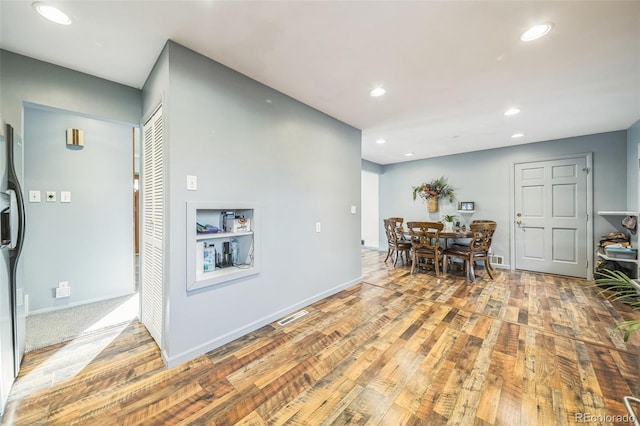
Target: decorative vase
(448,227)
(432,204)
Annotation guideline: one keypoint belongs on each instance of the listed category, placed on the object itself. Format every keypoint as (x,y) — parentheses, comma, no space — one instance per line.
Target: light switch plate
(318,227)
(65,196)
(51,196)
(353,209)
(192,183)
(34,196)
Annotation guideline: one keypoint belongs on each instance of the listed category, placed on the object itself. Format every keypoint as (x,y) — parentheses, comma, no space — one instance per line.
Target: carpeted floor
(65,324)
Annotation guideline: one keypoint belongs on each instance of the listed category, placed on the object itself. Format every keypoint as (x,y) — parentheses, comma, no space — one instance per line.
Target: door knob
(519,222)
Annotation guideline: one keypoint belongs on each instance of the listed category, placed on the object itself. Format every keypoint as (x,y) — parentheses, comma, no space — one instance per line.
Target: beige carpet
(66,324)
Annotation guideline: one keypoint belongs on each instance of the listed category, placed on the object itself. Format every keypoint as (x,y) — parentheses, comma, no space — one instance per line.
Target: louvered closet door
(152,226)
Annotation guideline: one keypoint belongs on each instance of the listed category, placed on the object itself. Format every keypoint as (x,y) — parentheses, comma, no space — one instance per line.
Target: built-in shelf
(613,217)
(212,235)
(246,242)
(603,255)
(616,213)
(466,211)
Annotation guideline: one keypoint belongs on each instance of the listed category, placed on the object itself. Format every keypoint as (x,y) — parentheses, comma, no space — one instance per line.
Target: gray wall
(372,167)
(633,139)
(88,242)
(25,80)
(156,87)
(248,143)
(484,177)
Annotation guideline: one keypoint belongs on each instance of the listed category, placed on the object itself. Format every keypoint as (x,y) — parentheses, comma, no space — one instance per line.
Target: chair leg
(487,264)
(471,276)
(444,264)
(388,254)
(488,268)
(413,263)
(436,264)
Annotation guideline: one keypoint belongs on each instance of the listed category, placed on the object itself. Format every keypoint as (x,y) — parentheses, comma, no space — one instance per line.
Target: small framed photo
(466,206)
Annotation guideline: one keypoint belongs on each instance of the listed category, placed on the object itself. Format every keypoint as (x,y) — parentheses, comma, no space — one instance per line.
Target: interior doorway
(370,223)
(86,192)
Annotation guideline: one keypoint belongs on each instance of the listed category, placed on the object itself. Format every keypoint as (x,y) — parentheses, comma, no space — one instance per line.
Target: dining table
(453,235)
(445,235)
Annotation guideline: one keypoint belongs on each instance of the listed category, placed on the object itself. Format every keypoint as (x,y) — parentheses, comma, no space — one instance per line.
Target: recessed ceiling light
(408,154)
(536,32)
(378,91)
(52,13)
(512,111)
(517,135)
(380,141)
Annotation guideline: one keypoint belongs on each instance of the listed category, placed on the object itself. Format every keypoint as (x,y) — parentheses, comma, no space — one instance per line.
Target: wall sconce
(75,138)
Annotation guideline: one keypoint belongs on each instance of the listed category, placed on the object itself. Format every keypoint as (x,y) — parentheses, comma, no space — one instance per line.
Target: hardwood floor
(525,348)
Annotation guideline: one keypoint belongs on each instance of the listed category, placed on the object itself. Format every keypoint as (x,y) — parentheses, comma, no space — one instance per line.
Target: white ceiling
(450,68)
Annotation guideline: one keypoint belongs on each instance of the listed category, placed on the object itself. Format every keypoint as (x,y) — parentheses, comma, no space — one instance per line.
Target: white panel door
(551,216)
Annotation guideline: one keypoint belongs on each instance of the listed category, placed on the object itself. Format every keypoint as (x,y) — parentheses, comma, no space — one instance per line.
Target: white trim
(81,303)
(503,266)
(588,156)
(185,356)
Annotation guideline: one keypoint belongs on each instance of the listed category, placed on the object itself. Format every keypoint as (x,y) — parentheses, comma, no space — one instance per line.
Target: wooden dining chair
(425,243)
(478,249)
(398,221)
(397,245)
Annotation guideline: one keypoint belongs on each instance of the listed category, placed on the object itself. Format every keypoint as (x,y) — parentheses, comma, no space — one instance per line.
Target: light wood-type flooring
(523,349)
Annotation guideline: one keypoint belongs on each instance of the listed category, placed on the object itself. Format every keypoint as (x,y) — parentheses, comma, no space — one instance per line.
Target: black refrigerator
(12,232)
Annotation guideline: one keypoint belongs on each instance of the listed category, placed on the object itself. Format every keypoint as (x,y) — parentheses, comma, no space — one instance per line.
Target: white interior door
(551,216)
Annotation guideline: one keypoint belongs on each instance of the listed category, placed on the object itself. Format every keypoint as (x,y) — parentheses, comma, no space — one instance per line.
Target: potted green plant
(618,286)
(448,220)
(432,191)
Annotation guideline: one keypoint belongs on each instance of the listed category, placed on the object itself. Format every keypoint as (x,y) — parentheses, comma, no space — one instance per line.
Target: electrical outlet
(34,196)
(65,196)
(63,292)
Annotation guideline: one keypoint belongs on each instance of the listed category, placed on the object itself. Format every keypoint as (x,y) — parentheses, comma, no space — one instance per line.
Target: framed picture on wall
(466,206)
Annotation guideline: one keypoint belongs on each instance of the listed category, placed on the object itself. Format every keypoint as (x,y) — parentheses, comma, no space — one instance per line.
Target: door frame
(588,156)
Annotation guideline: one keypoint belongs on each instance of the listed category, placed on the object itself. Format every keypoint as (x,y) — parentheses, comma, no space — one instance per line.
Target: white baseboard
(80,303)
(503,266)
(185,356)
